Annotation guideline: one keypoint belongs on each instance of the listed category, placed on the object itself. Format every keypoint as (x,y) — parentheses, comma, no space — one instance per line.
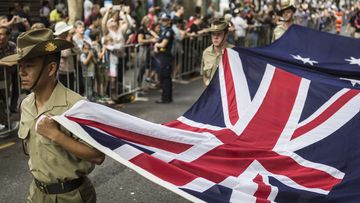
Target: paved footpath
(113,181)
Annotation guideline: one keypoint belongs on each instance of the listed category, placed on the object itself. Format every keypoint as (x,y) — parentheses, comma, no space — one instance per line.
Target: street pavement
(113,182)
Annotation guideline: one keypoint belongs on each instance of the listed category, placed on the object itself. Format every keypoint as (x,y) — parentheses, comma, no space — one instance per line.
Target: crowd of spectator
(95,66)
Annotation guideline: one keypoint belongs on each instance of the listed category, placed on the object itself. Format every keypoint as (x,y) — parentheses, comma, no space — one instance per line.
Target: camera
(19,19)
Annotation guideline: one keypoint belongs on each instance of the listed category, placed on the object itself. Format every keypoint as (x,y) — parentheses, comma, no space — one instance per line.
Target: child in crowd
(99,66)
(146,38)
(88,62)
(112,62)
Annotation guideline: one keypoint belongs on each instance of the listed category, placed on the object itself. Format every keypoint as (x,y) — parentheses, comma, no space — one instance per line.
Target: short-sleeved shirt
(194,28)
(89,69)
(168,34)
(177,19)
(144,48)
(145,32)
(210,61)
(80,41)
(48,161)
(279,30)
(67,62)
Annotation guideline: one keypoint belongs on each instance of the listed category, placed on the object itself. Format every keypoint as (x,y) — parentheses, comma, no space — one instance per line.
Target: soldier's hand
(47,127)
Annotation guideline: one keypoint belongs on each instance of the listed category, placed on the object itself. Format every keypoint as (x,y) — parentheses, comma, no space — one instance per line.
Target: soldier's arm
(205,80)
(48,128)
(202,64)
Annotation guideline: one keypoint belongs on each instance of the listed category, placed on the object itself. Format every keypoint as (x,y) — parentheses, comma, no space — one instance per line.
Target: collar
(57,99)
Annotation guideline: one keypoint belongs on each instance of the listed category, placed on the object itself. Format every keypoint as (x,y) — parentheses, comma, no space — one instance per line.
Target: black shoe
(163,101)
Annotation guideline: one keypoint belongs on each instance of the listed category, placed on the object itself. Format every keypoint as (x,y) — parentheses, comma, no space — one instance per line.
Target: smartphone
(117,7)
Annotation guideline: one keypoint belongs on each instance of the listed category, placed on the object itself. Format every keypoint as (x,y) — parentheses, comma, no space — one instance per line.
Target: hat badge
(19,51)
(50,47)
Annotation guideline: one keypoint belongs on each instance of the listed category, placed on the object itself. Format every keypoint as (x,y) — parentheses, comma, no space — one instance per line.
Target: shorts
(113,70)
(100,74)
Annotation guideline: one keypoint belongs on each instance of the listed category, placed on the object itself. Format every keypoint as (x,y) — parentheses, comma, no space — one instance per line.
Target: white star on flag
(353,81)
(353,60)
(304,60)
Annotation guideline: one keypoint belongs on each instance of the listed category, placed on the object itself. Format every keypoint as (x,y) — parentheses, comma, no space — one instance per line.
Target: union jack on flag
(264,130)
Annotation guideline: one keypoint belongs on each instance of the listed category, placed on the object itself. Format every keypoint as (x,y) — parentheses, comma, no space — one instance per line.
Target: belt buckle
(43,187)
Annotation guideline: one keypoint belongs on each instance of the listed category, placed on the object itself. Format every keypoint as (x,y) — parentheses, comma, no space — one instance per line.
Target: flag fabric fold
(268,128)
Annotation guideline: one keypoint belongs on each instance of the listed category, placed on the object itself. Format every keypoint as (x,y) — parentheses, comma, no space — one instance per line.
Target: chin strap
(222,41)
(38,77)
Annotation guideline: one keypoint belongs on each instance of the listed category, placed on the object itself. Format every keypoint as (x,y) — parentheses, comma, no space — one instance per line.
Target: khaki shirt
(279,30)
(209,63)
(49,162)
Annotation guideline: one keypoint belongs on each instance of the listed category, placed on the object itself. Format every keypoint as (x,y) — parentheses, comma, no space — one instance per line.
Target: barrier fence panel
(130,71)
(9,96)
(188,56)
(258,35)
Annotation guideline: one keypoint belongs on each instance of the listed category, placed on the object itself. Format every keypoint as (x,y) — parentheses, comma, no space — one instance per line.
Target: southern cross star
(353,81)
(304,60)
(353,60)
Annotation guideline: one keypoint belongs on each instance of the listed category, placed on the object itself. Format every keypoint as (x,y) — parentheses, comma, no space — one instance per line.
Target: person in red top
(152,15)
(339,20)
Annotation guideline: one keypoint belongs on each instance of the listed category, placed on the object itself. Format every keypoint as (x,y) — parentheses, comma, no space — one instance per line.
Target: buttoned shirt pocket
(23,131)
(209,63)
(208,68)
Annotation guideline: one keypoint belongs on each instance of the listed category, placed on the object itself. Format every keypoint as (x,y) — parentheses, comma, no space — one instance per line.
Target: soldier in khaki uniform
(212,54)
(58,160)
(287,12)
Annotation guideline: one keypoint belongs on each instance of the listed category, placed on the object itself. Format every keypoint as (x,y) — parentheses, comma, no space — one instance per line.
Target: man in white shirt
(240,27)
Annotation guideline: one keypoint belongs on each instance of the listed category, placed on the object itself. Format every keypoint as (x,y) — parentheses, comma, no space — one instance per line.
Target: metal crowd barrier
(258,35)
(130,78)
(124,83)
(9,93)
(188,54)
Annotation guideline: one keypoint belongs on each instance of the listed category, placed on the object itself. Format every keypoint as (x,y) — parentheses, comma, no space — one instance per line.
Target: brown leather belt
(61,187)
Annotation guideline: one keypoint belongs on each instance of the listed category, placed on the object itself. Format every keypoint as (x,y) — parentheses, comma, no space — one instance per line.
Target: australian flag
(276,124)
